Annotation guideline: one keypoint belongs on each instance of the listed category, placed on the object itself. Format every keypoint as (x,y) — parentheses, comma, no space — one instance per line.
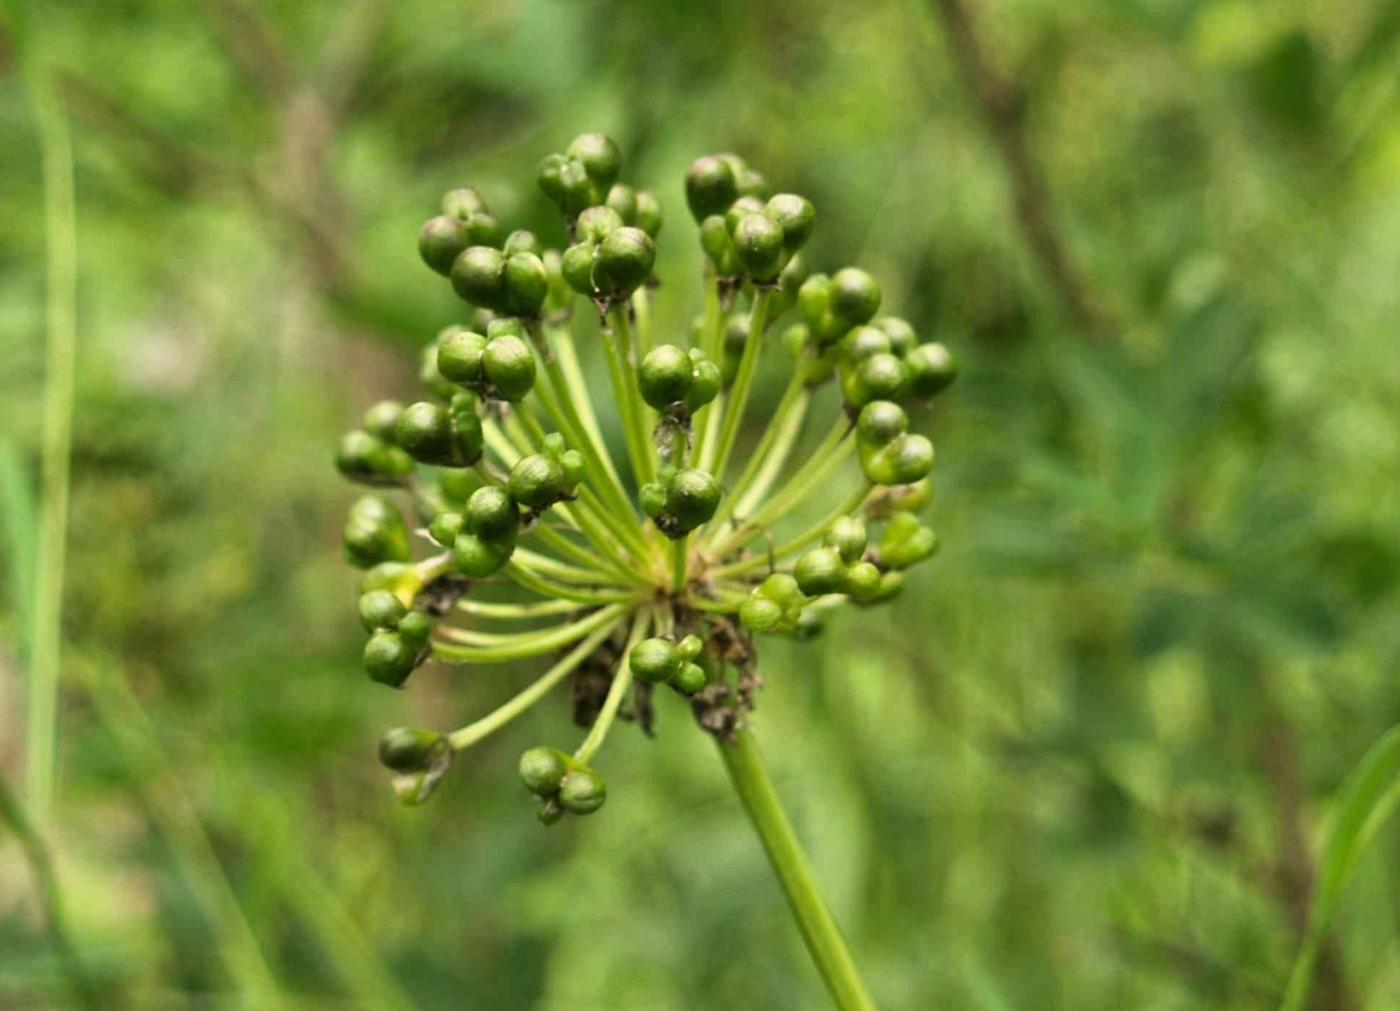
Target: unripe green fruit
(782,588)
(414,629)
(692,496)
(690,647)
(388,659)
(705,382)
(760,614)
(369,459)
(428,373)
(492,513)
(879,377)
(596,223)
(459,357)
(399,578)
(484,230)
(652,496)
(689,679)
(424,430)
(715,241)
(445,527)
(525,284)
(565,181)
(903,460)
(468,436)
(542,769)
(820,571)
(847,535)
(710,187)
(462,203)
(380,609)
(599,156)
(478,558)
(441,241)
(932,368)
(536,481)
(380,419)
(906,542)
(582,791)
(649,216)
(623,199)
(758,242)
(796,217)
(407,749)
(901,334)
(476,276)
(523,241)
(374,533)
(510,366)
(862,581)
(457,483)
(854,295)
(879,422)
(739,210)
(577,267)
(664,376)
(655,660)
(861,342)
(625,260)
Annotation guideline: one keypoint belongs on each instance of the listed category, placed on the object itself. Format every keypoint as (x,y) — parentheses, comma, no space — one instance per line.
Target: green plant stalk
(515,612)
(641,307)
(548,566)
(622,680)
(819,930)
(46,614)
(713,322)
(618,345)
(778,436)
(850,505)
(568,632)
(489,724)
(679,563)
(743,382)
(567,353)
(545,587)
(50,898)
(517,647)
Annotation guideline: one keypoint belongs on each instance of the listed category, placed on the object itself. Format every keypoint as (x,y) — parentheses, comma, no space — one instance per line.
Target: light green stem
(713,324)
(850,505)
(515,612)
(743,382)
(679,563)
(521,645)
(769,455)
(622,680)
(617,342)
(824,941)
(545,587)
(572,374)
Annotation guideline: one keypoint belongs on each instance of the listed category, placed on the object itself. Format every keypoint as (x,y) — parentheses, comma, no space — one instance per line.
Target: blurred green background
(1084,762)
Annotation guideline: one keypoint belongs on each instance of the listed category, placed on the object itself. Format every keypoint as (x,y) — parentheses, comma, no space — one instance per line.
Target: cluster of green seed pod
(562,783)
(647,569)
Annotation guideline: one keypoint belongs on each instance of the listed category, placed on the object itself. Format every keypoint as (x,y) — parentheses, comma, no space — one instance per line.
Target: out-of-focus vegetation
(1085,761)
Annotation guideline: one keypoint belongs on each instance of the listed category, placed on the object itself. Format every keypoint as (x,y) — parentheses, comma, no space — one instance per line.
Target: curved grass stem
(819,929)
(485,647)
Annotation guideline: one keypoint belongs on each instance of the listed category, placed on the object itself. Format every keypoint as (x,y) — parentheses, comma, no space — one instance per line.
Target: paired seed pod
(512,284)
(561,783)
(375,532)
(677,382)
(609,259)
(464,222)
(487,534)
(659,661)
(497,366)
(678,501)
(583,176)
(449,436)
(889,453)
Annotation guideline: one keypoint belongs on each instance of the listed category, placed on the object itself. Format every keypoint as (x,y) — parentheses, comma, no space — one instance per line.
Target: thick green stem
(679,574)
(743,382)
(824,941)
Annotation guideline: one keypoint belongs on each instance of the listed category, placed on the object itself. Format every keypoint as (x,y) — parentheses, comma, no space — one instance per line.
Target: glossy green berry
(445,527)
(415,627)
(689,679)
(441,241)
(456,484)
(484,230)
(374,533)
(371,460)
(523,241)
(854,295)
(536,481)
(492,513)
(582,791)
(577,267)
(509,367)
(388,659)
(862,342)
(408,749)
(623,200)
(903,460)
(705,382)
(600,158)
(399,578)
(758,243)
(468,435)
(906,542)
(880,376)
(739,210)
(476,275)
(690,647)
(862,581)
(424,430)
(525,284)
(459,356)
(715,241)
(710,186)
(565,181)
(848,536)
(477,557)
(655,660)
(542,769)
(796,217)
(649,216)
(380,609)
(596,223)
(774,605)
(462,203)
(625,260)
(932,368)
(760,614)
(692,496)
(381,419)
(820,571)
(900,333)
(664,376)
(879,422)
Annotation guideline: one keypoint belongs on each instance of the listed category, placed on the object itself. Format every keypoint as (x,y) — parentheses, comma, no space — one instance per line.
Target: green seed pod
(652,496)
(854,295)
(459,357)
(692,496)
(901,498)
(571,460)
(861,342)
(759,614)
(468,437)
(705,381)
(577,267)
(758,242)
(565,181)
(820,571)
(751,184)
(479,558)
(380,609)
(625,260)
(484,230)
(380,419)
(810,625)
(790,282)
(399,578)
(550,812)
(689,679)
(901,334)
(536,481)
(510,367)
(525,285)
(649,216)
(782,588)
(445,527)
(523,241)
(542,769)
(424,430)
(600,158)
(375,532)
(710,187)
(371,460)
(690,647)
(739,210)
(441,241)
(664,376)
(655,660)
(932,368)
(715,241)
(906,542)
(462,203)
(388,659)
(862,581)
(428,373)
(406,749)
(903,460)
(796,217)
(492,513)
(596,223)
(878,377)
(414,628)
(456,484)
(879,422)
(623,199)
(582,791)
(477,276)
(847,535)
